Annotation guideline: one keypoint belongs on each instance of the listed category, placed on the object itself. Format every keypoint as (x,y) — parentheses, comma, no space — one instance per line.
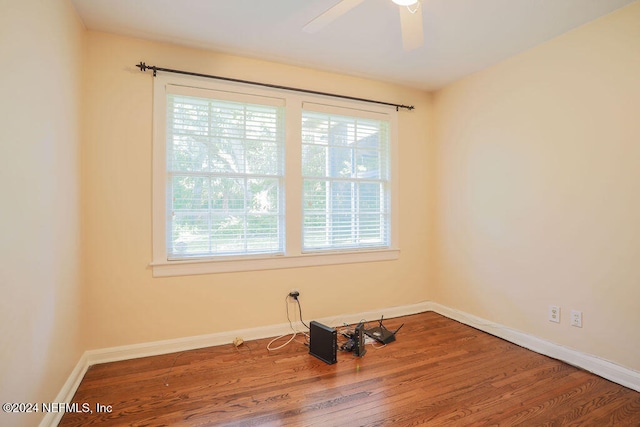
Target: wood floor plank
(439,372)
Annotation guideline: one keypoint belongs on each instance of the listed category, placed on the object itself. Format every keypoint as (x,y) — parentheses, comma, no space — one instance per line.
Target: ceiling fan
(410,20)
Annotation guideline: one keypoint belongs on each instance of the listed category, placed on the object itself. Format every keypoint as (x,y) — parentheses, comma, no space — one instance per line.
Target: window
(346,181)
(247,178)
(225,175)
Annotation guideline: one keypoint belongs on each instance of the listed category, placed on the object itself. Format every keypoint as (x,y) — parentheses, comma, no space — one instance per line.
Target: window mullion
(210,132)
(293,183)
(354,212)
(245,181)
(354,185)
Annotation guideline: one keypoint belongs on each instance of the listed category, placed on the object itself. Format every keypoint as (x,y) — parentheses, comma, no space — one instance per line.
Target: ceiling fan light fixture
(405,2)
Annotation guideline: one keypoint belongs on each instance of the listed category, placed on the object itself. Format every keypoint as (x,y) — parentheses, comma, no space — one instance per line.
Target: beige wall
(517,190)
(538,189)
(40,275)
(125,304)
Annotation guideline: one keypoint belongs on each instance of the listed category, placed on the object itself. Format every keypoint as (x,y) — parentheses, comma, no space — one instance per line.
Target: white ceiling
(460,36)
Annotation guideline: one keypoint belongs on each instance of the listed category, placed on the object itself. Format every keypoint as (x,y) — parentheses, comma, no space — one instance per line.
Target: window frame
(293,256)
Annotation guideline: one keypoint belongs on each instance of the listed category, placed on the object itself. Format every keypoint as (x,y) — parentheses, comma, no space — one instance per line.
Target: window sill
(194,267)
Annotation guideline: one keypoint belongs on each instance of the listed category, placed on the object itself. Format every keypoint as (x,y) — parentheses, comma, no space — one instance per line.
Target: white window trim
(294,256)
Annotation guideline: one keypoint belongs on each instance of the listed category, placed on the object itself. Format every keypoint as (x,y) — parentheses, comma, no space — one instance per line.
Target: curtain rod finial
(144,67)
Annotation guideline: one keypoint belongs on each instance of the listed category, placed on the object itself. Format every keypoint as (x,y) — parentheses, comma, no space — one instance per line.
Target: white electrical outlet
(554,313)
(576,318)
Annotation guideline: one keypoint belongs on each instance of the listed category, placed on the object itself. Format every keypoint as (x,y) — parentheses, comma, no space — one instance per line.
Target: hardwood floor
(438,373)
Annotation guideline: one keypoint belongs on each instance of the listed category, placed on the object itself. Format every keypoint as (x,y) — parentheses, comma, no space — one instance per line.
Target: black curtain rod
(145,67)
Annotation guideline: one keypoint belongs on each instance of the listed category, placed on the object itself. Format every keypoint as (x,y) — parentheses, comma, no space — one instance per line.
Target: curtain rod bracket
(144,67)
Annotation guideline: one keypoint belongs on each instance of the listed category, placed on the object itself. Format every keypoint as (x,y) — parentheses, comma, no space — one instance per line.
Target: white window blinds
(225,175)
(346,181)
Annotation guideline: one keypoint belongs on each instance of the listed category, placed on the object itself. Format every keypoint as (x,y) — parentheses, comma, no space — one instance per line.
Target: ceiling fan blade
(411,25)
(330,15)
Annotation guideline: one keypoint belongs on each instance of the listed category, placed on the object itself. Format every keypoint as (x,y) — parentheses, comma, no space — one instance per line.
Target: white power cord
(293,335)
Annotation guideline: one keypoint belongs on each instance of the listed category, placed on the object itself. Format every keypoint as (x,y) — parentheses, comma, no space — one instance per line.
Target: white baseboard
(135,351)
(616,373)
(601,367)
(67,392)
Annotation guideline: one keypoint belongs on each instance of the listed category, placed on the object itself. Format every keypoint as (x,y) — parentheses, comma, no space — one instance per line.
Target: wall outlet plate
(554,313)
(576,318)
